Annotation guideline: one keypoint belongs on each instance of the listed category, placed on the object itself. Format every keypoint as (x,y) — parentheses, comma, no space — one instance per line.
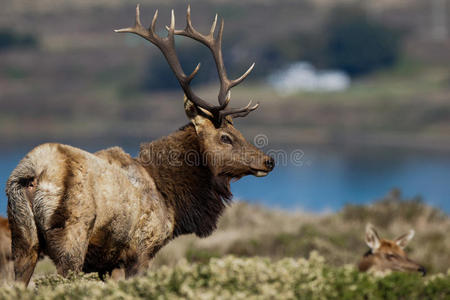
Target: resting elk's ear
(372,237)
(404,239)
(198,116)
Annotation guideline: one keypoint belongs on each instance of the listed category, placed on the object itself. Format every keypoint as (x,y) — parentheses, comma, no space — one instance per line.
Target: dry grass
(249,230)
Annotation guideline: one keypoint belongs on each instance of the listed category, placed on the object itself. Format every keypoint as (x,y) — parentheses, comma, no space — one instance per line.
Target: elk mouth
(259,172)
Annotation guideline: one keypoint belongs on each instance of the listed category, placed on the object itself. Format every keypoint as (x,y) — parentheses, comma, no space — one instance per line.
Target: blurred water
(328,179)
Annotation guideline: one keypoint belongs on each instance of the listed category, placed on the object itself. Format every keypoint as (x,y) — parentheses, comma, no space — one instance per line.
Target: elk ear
(197,116)
(404,239)
(372,237)
(229,119)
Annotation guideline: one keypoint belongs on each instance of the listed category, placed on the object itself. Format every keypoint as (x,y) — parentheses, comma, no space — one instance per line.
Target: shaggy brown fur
(105,211)
(198,199)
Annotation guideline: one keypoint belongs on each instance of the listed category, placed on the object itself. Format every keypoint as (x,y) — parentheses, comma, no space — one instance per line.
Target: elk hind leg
(25,262)
(67,246)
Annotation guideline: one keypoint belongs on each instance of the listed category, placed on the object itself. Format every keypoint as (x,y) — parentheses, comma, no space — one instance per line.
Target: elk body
(107,211)
(6,262)
(387,255)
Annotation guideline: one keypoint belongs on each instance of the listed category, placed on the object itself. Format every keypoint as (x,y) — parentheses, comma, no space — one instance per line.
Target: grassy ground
(248,230)
(260,253)
(242,278)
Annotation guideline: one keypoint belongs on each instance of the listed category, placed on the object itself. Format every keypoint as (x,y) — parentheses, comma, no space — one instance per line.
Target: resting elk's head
(387,255)
(225,150)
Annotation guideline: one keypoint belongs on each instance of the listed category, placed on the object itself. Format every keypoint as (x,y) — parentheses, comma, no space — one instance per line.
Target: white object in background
(302,76)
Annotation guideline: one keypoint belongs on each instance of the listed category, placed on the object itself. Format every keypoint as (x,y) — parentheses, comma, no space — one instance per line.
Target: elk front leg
(139,262)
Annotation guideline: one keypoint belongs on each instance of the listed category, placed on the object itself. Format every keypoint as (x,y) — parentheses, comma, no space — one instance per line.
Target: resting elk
(107,211)
(386,255)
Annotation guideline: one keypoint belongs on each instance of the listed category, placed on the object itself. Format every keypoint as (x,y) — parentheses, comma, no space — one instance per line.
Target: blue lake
(325,180)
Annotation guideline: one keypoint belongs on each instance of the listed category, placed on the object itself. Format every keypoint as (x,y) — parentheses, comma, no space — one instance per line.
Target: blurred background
(358,92)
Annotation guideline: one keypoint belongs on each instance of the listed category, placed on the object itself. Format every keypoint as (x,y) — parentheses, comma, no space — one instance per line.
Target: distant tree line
(348,40)
(357,44)
(12,39)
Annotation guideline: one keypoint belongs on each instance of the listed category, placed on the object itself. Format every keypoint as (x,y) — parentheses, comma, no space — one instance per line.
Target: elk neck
(188,187)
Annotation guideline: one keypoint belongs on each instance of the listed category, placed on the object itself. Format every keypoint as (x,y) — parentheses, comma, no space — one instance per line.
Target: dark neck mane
(196,196)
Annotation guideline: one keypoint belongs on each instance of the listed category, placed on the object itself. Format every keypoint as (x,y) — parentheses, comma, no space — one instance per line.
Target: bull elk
(108,211)
(385,255)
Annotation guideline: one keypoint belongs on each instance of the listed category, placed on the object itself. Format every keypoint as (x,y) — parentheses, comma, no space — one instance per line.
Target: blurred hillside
(75,80)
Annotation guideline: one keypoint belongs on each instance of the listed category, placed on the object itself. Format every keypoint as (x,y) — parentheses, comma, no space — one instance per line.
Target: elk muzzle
(269,164)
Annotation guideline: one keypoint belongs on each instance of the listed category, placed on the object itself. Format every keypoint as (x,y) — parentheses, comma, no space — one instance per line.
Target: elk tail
(20,190)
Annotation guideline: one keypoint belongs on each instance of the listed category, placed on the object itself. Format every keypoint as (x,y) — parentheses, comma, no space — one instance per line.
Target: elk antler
(167,47)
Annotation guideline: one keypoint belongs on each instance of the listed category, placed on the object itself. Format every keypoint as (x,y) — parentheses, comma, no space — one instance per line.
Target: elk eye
(225,139)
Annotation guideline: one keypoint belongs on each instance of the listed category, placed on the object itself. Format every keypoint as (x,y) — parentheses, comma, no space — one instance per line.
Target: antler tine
(172,22)
(213,27)
(155,17)
(188,18)
(243,76)
(138,16)
(239,112)
(190,77)
(218,40)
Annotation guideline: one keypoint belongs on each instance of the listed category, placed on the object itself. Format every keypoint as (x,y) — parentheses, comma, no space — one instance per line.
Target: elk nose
(270,163)
(422,270)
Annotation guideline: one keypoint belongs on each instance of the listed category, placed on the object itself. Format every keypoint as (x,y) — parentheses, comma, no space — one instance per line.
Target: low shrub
(242,278)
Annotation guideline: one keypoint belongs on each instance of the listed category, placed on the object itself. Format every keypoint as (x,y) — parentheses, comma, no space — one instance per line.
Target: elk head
(225,150)
(387,255)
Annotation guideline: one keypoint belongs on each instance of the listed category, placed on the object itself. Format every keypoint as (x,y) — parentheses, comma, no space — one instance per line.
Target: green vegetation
(258,253)
(349,40)
(242,278)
